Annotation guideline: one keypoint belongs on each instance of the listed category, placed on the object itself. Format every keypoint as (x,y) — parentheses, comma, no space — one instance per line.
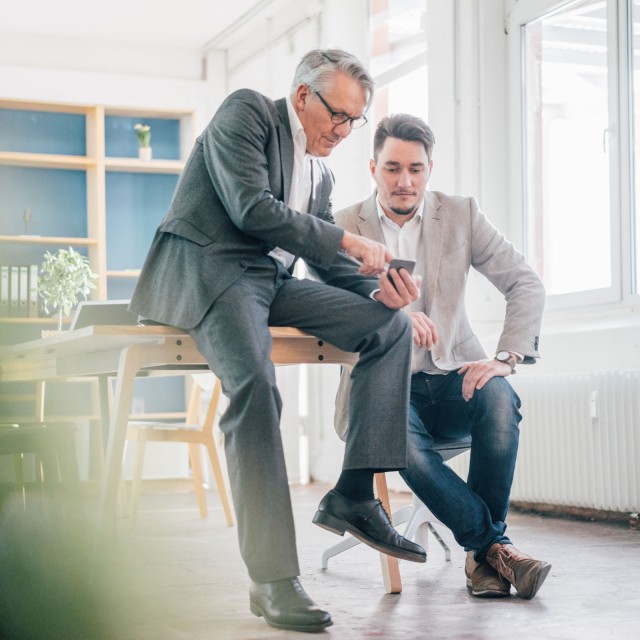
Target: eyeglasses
(338,117)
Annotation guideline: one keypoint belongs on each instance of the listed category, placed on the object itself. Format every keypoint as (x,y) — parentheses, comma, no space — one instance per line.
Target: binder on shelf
(4,291)
(14,291)
(23,299)
(33,291)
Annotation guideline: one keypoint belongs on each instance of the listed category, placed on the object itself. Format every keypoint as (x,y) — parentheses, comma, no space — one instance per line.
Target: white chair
(417,516)
(192,432)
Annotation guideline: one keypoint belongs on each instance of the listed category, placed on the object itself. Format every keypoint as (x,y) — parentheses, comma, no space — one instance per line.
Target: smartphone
(398,264)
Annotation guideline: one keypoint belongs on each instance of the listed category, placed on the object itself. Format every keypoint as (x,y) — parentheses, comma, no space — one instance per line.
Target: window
(580,78)
(399,57)
(567,162)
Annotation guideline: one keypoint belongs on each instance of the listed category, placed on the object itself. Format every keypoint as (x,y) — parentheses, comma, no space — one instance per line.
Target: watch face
(503,356)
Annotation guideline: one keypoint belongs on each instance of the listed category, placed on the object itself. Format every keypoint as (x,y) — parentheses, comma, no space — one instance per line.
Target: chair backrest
(212,409)
(203,382)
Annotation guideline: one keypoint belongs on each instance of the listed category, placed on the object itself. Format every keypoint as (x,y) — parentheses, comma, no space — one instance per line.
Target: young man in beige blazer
(456,390)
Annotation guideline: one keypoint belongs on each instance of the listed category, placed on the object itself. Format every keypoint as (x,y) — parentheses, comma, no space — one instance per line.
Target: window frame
(623,291)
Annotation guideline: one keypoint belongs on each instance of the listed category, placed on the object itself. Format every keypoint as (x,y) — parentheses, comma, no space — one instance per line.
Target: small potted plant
(64,277)
(143,133)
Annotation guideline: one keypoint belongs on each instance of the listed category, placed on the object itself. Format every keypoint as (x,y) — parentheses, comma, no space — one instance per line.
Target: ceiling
(186,23)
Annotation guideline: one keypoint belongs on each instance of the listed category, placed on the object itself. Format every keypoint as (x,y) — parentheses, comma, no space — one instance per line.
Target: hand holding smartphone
(398,264)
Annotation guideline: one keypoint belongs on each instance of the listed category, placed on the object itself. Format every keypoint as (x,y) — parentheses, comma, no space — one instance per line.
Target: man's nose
(404,179)
(344,129)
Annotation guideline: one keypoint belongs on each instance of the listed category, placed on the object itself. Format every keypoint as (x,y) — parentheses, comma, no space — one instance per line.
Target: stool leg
(337,548)
(196,470)
(443,544)
(390,567)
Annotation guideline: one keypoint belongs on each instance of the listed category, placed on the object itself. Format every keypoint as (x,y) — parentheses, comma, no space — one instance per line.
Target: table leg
(131,360)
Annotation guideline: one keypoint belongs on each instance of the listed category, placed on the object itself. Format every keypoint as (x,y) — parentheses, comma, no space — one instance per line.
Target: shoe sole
(336,525)
(257,611)
(540,578)
(489,593)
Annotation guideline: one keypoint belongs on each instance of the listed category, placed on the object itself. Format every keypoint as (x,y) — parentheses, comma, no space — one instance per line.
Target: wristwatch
(506,357)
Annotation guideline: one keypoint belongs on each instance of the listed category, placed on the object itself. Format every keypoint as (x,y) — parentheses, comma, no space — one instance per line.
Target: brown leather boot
(483,581)
(521,570)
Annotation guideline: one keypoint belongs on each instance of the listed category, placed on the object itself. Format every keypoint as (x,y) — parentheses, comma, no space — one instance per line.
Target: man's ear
(372,166)
(300,97)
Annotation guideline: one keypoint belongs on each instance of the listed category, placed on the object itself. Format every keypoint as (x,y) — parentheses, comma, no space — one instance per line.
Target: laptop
(90,312)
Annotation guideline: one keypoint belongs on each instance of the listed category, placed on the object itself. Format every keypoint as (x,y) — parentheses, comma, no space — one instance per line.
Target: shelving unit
(75,168)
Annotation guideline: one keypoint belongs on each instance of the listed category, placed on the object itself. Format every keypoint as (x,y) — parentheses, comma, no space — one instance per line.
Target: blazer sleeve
(243,159)
(506,268)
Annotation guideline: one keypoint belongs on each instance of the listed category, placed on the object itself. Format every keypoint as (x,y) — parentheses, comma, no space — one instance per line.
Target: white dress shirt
(302,179)
(407,242)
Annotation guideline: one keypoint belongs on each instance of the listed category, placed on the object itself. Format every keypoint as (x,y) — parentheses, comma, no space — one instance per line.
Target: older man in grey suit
(253,197)
(456,390)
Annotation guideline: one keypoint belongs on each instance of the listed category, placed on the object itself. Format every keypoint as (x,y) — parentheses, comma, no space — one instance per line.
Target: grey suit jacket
(458,236)
(229,209)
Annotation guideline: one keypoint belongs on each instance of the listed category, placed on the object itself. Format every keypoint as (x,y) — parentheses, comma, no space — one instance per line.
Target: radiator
(579,440)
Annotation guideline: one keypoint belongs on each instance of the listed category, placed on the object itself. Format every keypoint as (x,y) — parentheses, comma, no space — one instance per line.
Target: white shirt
(302,179)
(407,242)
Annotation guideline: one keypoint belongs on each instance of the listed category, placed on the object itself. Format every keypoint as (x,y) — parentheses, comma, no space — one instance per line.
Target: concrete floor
(200,584)
(178,577)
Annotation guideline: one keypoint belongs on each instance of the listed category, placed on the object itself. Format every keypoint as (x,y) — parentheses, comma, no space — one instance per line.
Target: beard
(404,212)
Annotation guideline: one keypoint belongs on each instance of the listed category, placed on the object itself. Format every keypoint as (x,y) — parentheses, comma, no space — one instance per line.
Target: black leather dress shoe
(284,604)
(367,521)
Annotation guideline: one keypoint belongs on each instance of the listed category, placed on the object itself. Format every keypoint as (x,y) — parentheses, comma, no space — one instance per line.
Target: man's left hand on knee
(477,374)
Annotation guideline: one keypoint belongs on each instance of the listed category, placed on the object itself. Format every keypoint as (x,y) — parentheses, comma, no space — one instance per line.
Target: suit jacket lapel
(286,148)
(433,236)
(369,222)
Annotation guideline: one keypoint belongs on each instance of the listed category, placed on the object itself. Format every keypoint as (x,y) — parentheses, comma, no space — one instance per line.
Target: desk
(125,352)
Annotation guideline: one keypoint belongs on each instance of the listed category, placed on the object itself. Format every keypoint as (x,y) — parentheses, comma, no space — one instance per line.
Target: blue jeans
(475,510)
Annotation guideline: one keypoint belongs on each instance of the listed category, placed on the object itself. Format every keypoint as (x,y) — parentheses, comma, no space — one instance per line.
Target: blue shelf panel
(121,140)
(136,203)
(43,132)
(57,199)
(120,288)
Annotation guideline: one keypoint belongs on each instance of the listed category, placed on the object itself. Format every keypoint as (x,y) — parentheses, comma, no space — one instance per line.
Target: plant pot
(145,153)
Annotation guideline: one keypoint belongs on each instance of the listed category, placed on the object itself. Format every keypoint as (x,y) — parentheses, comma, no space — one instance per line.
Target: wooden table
(125,352)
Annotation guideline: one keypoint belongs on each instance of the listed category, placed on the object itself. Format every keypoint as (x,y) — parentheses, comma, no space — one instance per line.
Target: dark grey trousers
(234,338)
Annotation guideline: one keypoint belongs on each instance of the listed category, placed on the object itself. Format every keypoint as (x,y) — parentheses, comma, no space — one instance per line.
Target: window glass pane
(399,56)
(567,161)
(635,43)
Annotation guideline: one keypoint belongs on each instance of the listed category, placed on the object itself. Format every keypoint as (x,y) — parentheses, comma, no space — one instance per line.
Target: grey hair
(317,69)
(404,127)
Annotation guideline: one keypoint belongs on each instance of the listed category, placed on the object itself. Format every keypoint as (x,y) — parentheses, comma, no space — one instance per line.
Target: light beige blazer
(457,236)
